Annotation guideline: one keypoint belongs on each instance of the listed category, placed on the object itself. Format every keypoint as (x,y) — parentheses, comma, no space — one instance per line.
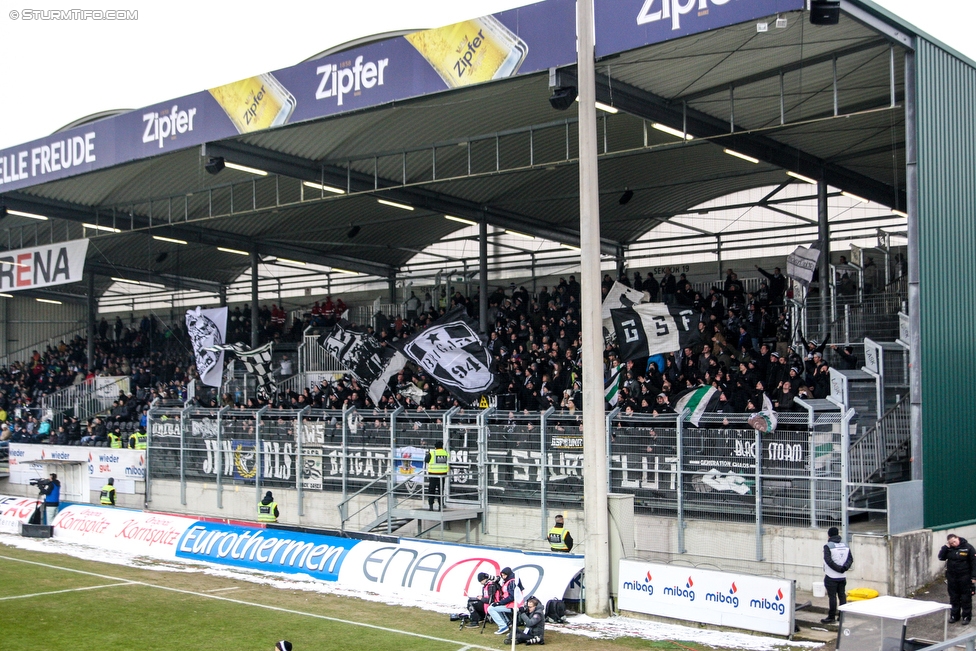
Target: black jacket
(959,560)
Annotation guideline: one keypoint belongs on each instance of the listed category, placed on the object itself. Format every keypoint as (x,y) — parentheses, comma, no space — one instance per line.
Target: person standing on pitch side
(837,559)
(559,537)
(107,496)
(959,555)
(268,509)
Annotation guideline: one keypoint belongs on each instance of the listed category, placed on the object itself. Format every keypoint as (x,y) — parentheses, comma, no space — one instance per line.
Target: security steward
(137,440)
(437,469)
(115,439)
(959,555)
(107,496)
(268,509)
(559,538)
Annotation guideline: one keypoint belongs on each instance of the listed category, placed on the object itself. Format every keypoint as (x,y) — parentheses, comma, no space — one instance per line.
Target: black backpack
(556,611)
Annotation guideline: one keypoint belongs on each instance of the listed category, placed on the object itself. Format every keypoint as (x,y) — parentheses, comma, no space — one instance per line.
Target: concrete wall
(896,565)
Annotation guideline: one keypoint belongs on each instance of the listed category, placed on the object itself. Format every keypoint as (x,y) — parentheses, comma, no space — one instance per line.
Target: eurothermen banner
(756,603)
(446,572)
(516,42)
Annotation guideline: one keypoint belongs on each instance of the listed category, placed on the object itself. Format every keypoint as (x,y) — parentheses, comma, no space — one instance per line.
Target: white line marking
(248,603)
(44,594)
(223,589)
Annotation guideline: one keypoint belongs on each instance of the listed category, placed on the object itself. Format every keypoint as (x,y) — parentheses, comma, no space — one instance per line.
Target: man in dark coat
(959,556)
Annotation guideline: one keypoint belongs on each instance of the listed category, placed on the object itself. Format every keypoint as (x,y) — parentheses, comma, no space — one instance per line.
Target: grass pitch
(56,602)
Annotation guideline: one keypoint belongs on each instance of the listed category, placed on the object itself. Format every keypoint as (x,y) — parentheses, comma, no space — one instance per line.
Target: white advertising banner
(738,600)
(15,511)
(801,264)
(125,466)
(450,571)
(43,266)
(146,534)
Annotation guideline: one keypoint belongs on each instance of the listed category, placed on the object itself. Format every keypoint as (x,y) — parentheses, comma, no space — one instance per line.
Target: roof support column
(92,308)
(823,236)
(222,295)
(914,276)
(718,255)
(595,507)
(254,299)
(391,280)
(483,275)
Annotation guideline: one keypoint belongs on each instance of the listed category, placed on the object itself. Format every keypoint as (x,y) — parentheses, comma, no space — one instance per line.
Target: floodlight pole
(595,517)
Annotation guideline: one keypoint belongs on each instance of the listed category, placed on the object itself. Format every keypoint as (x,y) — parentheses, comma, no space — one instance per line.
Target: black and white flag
(207,330)
(257,362)
(452,351)
(801,264)
(652,329)
(364,356)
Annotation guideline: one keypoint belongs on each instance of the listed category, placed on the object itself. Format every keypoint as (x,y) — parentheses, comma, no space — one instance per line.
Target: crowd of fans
(745,346)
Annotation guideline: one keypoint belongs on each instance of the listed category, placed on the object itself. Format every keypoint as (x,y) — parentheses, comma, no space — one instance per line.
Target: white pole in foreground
(595,540)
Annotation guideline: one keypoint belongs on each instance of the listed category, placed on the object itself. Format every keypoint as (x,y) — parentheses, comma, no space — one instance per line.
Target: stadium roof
(820,101)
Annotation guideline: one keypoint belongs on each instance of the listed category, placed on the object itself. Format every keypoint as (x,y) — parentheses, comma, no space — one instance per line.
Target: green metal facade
(946,154)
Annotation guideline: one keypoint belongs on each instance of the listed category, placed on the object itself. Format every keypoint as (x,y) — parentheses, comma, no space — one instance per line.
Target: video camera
(41,483)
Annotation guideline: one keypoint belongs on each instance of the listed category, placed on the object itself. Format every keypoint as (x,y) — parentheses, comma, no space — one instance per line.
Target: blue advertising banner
(516,42)
(623,25)
(271,550)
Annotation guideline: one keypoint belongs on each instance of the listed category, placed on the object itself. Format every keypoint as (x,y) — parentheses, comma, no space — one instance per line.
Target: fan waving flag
(257,362)
(767,419)
(364,356)
(453,352)
(207,329)
(611,388)
(652,329)
(696,401)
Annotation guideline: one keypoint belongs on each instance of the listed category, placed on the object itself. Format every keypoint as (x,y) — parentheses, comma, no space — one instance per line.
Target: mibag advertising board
(754,603)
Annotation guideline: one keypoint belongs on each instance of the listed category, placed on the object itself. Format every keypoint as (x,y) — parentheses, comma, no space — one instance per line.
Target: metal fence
(722,471)
(88,398)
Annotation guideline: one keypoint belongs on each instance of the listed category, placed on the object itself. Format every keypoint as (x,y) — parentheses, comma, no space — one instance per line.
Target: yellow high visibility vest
(266,512)
(439,462)
(557,539)
(108,492)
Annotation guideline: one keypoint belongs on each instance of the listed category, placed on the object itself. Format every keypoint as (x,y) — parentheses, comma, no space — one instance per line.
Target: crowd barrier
(440,573)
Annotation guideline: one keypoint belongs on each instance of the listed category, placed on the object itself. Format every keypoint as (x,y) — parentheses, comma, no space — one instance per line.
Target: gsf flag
(207,330)
(453,352)
(364,356)
(801,264)
(652,329)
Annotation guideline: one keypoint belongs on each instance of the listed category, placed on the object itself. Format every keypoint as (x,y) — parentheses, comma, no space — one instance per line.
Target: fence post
(845,442)
(544,468)
(610,416)
(184,417)
(679,433)
(847,322)
(482,422)
(300,462)
(150,417)
(391,482)
(759,514)
(257,453)
(219,458)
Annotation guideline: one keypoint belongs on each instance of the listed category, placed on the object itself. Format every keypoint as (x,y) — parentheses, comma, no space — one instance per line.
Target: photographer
(478,606)
(532,624)
(50,489)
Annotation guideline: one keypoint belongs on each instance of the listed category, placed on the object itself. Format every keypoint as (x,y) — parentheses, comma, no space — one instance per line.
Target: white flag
(207,329)
(801,264)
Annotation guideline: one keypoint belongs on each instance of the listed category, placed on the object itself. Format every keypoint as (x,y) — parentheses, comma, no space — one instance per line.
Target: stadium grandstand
(770,177)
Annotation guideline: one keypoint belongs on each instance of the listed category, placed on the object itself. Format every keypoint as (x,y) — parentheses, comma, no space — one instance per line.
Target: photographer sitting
(478,606)
(532,624)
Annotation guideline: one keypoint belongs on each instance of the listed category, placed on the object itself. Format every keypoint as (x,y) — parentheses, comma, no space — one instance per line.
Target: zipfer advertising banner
(520,41)
(445,572)
(754,603)
(43,266)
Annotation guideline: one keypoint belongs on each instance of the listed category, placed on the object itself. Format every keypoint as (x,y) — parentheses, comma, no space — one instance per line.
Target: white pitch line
(223,589)
(249,603)
(44,594)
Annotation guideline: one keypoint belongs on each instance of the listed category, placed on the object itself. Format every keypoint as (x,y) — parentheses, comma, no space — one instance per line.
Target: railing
(23,354)
(967,641)
(512,460)
(89,398)
(871,452)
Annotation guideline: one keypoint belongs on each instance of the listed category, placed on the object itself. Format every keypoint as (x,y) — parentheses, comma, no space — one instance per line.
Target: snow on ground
(613,627)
